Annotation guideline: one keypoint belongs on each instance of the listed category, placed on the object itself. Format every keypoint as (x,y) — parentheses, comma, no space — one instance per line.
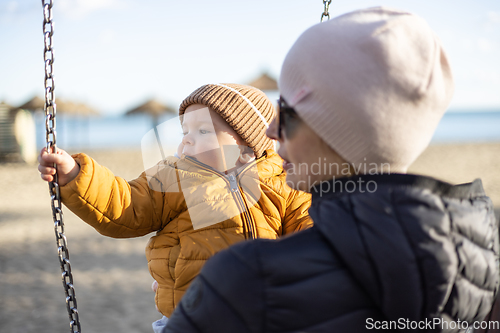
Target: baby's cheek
(208,142)
(211,158)
(180,149)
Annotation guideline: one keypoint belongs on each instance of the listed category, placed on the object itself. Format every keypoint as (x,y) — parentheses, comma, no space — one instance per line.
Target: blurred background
(121,67)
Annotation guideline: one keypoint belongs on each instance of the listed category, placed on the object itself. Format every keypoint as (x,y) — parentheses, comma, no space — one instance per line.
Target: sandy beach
(111,278)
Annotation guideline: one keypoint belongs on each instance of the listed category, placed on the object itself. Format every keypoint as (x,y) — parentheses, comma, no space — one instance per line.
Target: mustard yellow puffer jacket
(194,210)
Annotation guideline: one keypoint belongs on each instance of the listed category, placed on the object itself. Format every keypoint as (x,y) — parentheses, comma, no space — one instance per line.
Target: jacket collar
(269,165)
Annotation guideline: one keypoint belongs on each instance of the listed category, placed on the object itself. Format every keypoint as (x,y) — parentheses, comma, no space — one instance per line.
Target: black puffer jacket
(401,248)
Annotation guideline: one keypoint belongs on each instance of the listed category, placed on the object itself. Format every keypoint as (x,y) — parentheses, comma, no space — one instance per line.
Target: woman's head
(307,159)
(371,84)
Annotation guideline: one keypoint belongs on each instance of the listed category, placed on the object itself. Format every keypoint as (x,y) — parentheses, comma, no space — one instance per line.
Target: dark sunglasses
(284,111)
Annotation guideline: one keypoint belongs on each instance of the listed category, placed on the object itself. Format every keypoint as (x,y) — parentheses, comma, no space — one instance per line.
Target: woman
(361,97)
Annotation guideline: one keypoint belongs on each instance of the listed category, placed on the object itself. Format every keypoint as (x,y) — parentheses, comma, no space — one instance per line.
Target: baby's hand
(67,168)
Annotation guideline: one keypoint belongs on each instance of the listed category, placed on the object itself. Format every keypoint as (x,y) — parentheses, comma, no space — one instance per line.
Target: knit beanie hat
(373,84)
(246,109)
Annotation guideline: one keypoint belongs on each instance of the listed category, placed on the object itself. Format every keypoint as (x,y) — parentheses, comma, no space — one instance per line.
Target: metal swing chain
(55,197)
(326,10)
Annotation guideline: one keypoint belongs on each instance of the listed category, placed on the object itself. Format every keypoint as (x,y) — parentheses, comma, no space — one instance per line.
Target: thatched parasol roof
(153,108)
(63,106)
(36,103)
(76,108)
(264,82)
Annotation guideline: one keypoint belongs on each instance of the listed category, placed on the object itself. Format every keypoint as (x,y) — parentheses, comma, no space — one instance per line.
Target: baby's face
(209,139)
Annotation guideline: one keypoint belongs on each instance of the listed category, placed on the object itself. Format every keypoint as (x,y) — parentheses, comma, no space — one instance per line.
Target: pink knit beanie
(373,84)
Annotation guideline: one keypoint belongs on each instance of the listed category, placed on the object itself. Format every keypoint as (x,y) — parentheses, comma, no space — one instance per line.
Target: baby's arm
(113,206)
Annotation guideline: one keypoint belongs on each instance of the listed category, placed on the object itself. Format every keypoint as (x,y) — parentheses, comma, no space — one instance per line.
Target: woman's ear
(246,155)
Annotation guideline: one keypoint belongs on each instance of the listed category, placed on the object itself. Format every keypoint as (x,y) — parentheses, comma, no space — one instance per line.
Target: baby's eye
(202,131)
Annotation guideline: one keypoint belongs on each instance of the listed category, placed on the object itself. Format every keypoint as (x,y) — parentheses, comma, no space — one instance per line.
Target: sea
(132,132)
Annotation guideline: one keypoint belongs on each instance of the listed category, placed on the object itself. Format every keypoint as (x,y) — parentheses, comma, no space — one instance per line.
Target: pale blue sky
(114,54)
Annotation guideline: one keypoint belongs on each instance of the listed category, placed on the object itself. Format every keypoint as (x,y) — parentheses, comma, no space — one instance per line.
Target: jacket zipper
(235,189)
(236,192)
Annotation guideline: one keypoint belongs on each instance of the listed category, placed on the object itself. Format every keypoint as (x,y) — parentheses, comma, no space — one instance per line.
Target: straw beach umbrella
(63,106)
(73,125)
(36,103)
(264,82)
(74,108)
(153,108)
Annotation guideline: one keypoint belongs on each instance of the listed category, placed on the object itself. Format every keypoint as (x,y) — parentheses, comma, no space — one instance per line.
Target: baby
(226,185)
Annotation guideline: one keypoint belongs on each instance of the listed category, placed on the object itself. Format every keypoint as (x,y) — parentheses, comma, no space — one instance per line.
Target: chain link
(326,10)
(51,141)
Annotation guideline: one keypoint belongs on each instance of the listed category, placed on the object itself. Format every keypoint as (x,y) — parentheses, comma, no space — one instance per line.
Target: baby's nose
(187,139)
